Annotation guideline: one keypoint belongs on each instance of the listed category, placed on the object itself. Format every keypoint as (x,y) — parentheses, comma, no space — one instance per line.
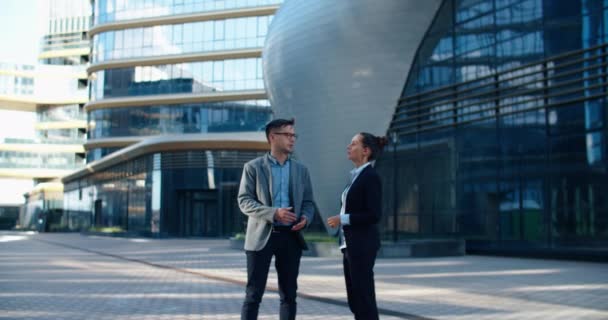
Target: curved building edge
(245,141)
(331,92)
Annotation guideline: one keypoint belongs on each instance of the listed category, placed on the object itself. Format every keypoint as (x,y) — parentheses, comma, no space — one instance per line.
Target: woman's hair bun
(382,141)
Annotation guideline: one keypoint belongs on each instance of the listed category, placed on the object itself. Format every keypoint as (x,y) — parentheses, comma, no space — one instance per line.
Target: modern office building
(14,84)
(61,92)
(46,104)
(48,125)
(177,106)
(496,110)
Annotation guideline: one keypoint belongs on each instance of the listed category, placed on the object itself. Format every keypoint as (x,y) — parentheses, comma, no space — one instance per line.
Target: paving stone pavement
(71,276)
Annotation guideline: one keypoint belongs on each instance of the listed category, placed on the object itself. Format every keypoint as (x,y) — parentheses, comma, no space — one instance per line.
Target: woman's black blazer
(364,204)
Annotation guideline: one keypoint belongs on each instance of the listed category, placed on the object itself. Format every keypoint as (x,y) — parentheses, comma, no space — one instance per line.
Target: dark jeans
(287,253)
(360,288)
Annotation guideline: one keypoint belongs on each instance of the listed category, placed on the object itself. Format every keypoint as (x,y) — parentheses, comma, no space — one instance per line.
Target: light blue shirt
(345,217)
(280,184)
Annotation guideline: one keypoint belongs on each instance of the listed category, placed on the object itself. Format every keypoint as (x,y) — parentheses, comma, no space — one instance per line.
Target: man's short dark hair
(277,124)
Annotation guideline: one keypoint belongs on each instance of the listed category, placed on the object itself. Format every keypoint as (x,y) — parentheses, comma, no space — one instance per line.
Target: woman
(360,213)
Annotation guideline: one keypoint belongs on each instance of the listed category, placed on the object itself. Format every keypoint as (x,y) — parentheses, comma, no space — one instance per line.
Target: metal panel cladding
(339,67)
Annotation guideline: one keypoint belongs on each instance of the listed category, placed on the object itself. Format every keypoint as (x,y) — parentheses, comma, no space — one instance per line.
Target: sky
(22,23)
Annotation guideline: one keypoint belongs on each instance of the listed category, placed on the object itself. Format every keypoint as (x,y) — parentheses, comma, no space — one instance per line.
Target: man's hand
(334,221)
(300,224)
(284,215)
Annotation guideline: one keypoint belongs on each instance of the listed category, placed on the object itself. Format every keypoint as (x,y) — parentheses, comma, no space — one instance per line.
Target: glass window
(262,26)
(207,76)
(218,27)
(183,38)
(218,71)
(528,117)
(188,33)
(177,34)
(228,116)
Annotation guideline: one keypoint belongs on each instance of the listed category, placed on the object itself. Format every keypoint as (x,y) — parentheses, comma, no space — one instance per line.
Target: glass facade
(227,116)
(38,160)
(500,134)
(65,41)
(116,10)
(170,193)
(181,194)
(203,36)
(8,217)
(66,17)
(13,82)
(192,77)
(63,136)
(72,132)
(197,77)
(98,153)
(59,92)
(69,112)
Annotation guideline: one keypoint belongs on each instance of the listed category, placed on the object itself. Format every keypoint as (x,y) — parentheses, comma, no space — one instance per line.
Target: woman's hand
(334,221)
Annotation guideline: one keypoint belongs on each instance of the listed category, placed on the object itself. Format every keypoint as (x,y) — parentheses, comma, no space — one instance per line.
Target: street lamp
(394,139)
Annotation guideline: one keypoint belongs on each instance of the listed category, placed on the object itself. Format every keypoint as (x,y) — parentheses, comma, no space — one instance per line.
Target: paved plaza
(71,276)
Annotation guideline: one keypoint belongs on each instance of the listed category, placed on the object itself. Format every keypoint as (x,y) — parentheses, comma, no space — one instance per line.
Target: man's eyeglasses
(287,134)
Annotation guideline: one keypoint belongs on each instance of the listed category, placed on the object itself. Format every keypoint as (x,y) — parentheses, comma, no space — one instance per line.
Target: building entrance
(197,213)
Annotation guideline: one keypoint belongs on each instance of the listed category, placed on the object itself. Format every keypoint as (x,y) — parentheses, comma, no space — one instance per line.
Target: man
(276,194)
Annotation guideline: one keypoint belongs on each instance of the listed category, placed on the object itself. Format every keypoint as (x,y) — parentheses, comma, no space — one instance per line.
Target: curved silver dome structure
(339,67)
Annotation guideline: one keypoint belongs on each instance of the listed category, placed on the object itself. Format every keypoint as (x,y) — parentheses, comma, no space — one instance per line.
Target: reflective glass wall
(203,36)
(202,60)
(500,134)
(14,159)
(193,77)
(182,194)
(207,53)
(62,124)
(228,116)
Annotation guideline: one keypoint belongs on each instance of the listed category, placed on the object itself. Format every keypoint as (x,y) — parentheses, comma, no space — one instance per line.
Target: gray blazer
(255,199)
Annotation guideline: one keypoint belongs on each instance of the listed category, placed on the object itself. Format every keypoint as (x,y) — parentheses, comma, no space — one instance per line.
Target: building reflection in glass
(501,127)
(227,116)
